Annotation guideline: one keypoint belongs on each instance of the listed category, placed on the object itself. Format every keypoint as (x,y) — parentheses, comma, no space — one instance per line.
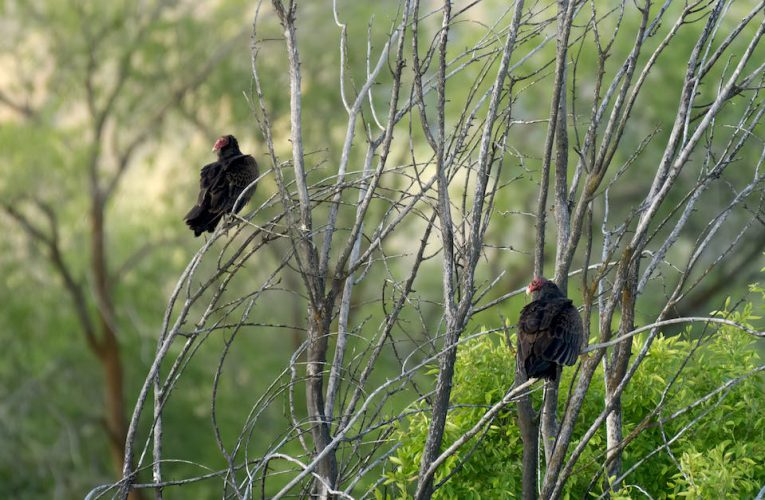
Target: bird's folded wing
(552,330)
(538,315)
(567,330)
(213,188)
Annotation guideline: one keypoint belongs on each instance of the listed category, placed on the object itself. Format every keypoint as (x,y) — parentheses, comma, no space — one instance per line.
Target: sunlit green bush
(719,455)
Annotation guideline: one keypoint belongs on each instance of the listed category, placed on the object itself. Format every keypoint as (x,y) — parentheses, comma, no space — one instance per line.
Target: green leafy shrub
(718,456)
(484,372)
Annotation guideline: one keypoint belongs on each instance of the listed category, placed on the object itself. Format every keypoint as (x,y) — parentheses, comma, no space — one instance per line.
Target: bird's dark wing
(214,189)
(209,172)
(212,192)
(550,331)
(240,173)
(567,331)
(538,315)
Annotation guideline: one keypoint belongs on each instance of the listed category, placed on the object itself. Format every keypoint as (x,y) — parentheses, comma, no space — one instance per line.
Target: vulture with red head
(550,331)
(222,183)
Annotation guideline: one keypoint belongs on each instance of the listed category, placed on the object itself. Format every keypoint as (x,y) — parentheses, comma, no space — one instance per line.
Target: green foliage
(720,472)
(716,456)
(484,372)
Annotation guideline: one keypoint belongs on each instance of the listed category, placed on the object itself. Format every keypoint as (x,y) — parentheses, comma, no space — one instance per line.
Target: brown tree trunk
(114,401)
(318,337)
(528,424)
(615,372)
(440,408)
(108,348)
(114,406)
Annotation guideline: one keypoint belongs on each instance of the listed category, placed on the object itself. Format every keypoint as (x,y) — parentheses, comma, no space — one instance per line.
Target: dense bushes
(718,456)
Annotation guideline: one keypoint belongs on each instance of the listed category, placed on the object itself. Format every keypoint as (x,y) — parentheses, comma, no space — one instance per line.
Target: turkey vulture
(549,331)
(221,184)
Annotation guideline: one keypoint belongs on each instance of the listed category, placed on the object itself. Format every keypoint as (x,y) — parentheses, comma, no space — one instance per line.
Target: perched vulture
(549,331)
(221,184)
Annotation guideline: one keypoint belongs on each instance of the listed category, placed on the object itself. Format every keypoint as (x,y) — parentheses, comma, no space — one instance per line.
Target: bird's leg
(229,221)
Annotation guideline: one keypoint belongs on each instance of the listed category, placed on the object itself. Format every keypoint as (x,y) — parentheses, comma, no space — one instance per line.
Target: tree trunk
(549,416)
(114,406)
(614,373)
(318,336)
(528,423)
(108,348)
(440,409)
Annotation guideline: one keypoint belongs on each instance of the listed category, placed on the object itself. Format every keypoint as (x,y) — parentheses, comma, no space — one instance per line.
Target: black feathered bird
(221,184)
(549,331)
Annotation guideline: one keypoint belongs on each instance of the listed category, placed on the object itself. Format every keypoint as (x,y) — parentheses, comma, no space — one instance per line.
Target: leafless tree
(346,228)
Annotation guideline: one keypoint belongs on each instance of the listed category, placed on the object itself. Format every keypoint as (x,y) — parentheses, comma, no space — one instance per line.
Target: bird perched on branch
(222,184)
(550,331)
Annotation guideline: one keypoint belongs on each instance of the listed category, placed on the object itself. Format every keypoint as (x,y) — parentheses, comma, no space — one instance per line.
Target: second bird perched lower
(550,331)
(221,183)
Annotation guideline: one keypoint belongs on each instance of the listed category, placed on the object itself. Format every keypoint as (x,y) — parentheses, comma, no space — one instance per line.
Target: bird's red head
(535,285)
(220,143)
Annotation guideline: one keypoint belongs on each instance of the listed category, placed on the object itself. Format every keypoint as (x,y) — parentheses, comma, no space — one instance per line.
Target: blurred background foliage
(135,93)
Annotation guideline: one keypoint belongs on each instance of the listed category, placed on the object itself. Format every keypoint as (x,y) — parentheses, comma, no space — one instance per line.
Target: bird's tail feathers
(541,368)
(200,220)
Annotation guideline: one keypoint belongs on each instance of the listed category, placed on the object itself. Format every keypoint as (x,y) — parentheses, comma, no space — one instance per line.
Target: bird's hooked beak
(528,290)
